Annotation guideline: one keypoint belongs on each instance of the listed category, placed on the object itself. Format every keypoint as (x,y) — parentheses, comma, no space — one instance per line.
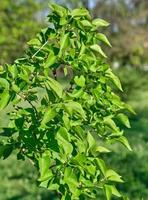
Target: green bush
(58,108)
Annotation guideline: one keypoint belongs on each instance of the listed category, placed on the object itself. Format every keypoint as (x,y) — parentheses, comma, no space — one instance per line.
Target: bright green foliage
(58,107)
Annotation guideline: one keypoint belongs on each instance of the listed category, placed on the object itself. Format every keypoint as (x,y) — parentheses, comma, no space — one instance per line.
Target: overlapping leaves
(63,108)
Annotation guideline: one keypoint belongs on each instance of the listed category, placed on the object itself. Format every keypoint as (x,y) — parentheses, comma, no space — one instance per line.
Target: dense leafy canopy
(58,107)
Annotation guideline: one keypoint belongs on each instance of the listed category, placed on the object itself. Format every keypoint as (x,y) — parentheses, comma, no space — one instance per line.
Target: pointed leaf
(56,87)
(44,164)
(61,11)
(98,49)
(108,192)
(123,119)
(102,149)
(90,139)
(4,98)
(101,164)
(114,79)
(50,60)
(125,142)
(99,22)
(110,123)
(64,43)
(86,23)
(113,176)
(103,38)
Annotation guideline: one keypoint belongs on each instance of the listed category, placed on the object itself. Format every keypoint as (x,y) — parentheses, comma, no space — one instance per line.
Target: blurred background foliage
(20,20)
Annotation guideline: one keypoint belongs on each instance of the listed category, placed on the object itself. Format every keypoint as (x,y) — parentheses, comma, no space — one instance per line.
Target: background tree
(128,29)
(17,18)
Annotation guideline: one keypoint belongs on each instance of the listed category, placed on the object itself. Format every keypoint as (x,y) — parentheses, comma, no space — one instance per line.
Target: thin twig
(39,49)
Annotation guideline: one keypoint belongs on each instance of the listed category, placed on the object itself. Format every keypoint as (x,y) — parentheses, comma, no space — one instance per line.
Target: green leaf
(34,42)
(125,142)
(123,119)
(76,93)
(79,159)
(74,107)
(86,23)
(90,139)
(113,176)
(59,10)
(91,169)
(4,84)
(80,81)
(66,121)
(115,191)
(100,22)
(101,149)
(64,43)
(54,187)
(50,60)
(64,133)
(101,164)
(83,48)
(129,108)
(71,179)
(103,38)
(110,123)
(50,113)
(7,150)
(108,191)
(97,48)
(44,164)
(4,98)
(111,189)
(79,12)
(56,87)
(114,79)
(63,141)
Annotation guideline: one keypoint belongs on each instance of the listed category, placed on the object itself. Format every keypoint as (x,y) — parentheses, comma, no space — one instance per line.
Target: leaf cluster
(58,107)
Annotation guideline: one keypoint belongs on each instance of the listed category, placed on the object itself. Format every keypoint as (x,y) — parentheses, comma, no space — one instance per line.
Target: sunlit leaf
(98,49)
(99,22)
